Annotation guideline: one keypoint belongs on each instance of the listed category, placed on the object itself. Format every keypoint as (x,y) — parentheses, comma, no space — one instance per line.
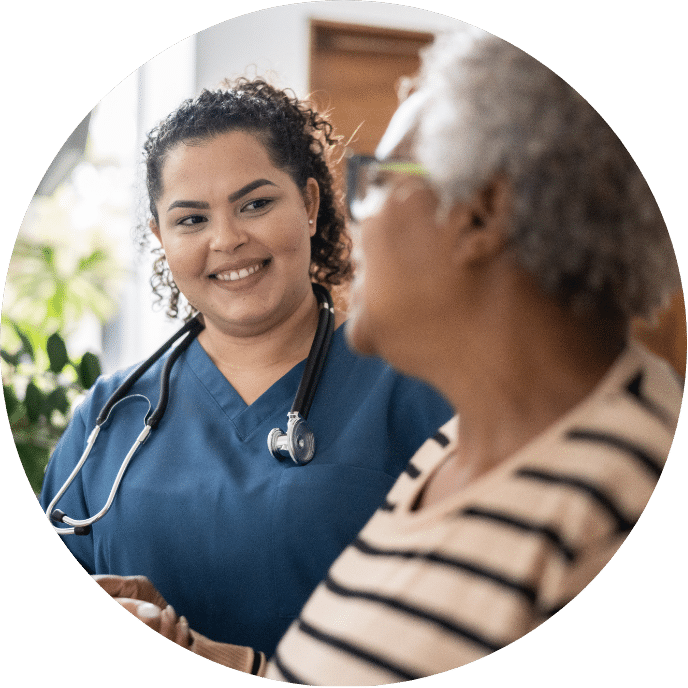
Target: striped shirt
(421,592)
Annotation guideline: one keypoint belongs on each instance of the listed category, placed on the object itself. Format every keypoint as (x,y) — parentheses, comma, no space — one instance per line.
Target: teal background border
(627,59)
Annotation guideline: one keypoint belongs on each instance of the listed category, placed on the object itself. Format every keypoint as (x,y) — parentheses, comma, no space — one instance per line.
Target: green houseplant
(40,386)
(48,295)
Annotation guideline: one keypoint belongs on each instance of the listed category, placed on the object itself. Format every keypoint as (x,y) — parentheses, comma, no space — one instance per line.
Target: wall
(277,39)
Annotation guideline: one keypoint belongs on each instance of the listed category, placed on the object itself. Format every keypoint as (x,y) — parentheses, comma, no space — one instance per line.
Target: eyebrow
(248,188)
(202,205)
(198,205)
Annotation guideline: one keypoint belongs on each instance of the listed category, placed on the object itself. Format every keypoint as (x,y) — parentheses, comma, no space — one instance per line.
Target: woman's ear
(482,224)
(155,230)
(311,199)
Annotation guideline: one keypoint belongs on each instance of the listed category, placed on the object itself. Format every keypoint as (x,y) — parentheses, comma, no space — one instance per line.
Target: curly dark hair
(298,139)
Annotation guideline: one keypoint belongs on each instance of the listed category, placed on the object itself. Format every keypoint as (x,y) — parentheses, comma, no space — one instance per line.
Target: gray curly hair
(585,222)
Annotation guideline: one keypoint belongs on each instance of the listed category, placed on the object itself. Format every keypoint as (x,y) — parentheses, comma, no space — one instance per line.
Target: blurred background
(77,300)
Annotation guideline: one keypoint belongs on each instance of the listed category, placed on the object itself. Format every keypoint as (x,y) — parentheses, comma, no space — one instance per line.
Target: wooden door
(354,73)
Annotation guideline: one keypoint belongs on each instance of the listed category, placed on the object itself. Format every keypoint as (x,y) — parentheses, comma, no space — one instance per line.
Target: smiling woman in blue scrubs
(242,203)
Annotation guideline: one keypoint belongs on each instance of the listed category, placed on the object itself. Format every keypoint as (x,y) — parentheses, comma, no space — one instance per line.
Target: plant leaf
(34,460)
(33,400)
(56,400)
(89,369)
(26,346)
(57,352)
(90,262)
(11,400)
(12,359)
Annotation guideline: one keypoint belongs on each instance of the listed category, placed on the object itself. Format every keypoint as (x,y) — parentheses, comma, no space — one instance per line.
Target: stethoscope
(297,443)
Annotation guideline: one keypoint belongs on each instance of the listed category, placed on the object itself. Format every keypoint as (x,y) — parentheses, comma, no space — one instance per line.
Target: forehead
(397,140)
(234,158)
(231,146)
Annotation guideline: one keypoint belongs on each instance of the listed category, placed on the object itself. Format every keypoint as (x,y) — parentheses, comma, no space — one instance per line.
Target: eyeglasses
(366,181)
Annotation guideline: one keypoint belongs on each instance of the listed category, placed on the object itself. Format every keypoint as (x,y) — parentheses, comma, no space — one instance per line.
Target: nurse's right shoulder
(93,401)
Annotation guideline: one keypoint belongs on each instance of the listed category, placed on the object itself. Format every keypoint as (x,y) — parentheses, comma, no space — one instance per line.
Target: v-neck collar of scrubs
(246,418)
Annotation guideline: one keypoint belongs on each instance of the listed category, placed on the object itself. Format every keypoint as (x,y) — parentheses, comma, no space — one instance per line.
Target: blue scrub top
(233,538)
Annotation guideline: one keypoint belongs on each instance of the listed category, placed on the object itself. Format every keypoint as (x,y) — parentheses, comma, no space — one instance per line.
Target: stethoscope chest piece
(298,443)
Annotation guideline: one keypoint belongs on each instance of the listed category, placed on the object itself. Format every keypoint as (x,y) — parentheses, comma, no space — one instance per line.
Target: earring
(310,222)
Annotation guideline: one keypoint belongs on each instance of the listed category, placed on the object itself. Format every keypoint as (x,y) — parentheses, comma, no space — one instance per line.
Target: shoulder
(427,458)
(654,384)
(633,412)
(108,383)
(608,454)
(588,479)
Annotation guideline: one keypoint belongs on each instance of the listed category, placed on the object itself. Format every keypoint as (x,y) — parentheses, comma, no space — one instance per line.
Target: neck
(523,362)
(255,360)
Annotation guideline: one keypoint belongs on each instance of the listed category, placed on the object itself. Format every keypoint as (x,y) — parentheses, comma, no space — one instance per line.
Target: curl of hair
(585,222)
(298,139)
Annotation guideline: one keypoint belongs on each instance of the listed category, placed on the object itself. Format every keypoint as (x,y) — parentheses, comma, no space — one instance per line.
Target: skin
(140,598)
(442,297)
(226,209)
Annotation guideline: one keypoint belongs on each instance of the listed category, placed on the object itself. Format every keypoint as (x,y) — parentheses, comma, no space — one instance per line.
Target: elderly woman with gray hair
(506,241)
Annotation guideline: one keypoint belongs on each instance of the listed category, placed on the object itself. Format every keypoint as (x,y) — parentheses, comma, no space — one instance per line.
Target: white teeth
(234,275)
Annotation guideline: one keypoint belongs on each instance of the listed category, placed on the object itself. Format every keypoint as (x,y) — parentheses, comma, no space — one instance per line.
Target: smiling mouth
(243,273)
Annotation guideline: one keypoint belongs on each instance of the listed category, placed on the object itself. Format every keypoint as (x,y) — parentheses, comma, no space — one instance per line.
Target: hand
(164,621)
(141,598)
(131,587)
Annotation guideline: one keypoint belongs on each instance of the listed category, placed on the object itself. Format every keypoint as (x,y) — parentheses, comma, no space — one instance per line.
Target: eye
(191,220)
(257,204)
(378,178)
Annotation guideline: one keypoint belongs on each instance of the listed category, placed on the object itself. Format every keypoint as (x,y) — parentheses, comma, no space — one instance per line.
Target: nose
(227,234)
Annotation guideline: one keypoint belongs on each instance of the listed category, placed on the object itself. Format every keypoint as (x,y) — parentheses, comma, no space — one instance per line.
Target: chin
(359,333)
(358,336)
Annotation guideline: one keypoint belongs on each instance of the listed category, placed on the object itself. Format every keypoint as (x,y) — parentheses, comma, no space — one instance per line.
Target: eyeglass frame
(355,163)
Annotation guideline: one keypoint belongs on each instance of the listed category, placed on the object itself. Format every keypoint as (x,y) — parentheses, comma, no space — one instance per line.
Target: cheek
(372,293)
(186,259)
(180,255)
(380,253)
(400,263)
(299,242)
(290,238)
(291,259)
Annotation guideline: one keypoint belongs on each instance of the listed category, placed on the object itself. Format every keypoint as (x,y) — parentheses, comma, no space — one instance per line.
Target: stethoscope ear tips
(298,443)
(58,516)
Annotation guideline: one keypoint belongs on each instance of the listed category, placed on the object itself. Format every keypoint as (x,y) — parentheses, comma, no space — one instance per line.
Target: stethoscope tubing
(317,354)
(190,330)
(193,326)
(87,522)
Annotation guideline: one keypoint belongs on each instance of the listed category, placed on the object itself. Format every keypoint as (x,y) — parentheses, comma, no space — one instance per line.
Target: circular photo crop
(435,256)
